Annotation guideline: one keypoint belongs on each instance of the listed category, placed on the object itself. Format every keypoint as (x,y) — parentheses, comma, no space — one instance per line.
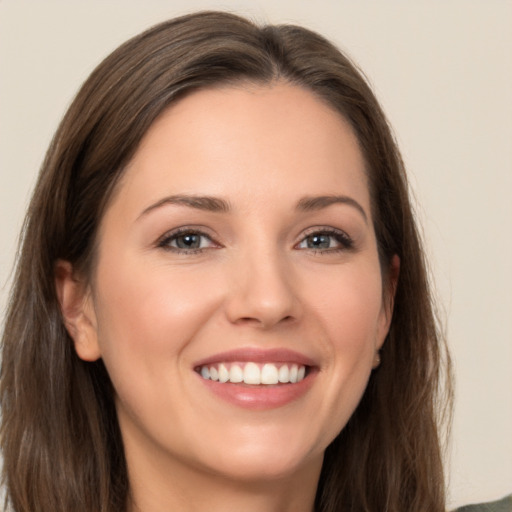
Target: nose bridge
(262,288)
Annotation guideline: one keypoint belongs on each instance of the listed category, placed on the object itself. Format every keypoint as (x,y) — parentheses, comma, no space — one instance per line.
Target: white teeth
(284,374)
(254,374)
(269,374)
(294,370)
(214,374)
(223,373)
(236,374)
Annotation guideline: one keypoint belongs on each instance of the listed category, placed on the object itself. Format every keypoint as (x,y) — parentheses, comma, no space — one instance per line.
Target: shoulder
(503,505)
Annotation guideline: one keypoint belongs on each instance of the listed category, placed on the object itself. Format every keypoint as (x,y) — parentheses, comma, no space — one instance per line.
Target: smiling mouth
(255,374)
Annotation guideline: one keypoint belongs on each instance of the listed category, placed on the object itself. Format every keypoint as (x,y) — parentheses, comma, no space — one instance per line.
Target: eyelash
(345,241)
(168,238)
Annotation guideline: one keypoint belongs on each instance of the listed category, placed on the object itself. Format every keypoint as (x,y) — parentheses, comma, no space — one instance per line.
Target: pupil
(188,241)
(318,242)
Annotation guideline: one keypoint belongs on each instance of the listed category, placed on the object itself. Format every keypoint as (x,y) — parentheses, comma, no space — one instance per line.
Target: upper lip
(257,355)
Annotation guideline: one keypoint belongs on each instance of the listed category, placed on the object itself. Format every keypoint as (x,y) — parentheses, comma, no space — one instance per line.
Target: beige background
(443,71)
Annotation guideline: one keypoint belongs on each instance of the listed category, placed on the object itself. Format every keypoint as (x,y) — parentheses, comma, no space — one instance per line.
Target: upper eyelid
(200,230)
(174,233)
(324,229)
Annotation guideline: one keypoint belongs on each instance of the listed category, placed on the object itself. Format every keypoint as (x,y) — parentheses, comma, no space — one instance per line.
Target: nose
(262,291)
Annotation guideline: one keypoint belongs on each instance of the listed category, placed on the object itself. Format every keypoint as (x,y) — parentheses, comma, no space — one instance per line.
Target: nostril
(263,321)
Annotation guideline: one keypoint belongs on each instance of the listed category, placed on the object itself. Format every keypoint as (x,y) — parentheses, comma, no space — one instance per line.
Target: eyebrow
(315,203)
(218,205)
(205,203)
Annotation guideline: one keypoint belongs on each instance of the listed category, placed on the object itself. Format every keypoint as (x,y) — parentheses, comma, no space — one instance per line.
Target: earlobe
(77,311)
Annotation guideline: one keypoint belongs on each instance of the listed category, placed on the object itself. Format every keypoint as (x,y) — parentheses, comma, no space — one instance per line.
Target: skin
(151,312)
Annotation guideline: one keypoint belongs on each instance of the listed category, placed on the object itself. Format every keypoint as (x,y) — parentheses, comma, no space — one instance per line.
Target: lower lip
(260,397)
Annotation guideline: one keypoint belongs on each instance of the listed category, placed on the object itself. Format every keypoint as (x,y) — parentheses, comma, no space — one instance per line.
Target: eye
(326,240)
(186,241)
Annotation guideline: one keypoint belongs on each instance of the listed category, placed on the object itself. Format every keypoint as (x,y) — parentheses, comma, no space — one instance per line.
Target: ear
(77,310)
(388,301)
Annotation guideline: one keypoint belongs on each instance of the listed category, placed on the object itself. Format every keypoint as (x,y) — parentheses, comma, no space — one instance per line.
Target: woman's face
(239,248)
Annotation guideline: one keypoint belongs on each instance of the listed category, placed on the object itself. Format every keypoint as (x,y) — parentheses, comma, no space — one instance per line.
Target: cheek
(350,304)
(349,312)
(148,319)
(149,313)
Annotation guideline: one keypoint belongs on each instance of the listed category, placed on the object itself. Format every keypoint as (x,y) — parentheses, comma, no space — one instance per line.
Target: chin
(267,456)
(261,468)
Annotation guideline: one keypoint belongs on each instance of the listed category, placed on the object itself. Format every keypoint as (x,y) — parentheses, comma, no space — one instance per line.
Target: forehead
(245,141)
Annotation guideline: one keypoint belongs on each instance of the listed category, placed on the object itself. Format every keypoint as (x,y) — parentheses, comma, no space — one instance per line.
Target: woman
(221,299)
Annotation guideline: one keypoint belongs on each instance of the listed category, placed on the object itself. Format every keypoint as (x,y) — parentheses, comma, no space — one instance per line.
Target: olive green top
(503,505)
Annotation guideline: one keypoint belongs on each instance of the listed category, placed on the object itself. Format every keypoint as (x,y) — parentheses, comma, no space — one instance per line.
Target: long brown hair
(60,438)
